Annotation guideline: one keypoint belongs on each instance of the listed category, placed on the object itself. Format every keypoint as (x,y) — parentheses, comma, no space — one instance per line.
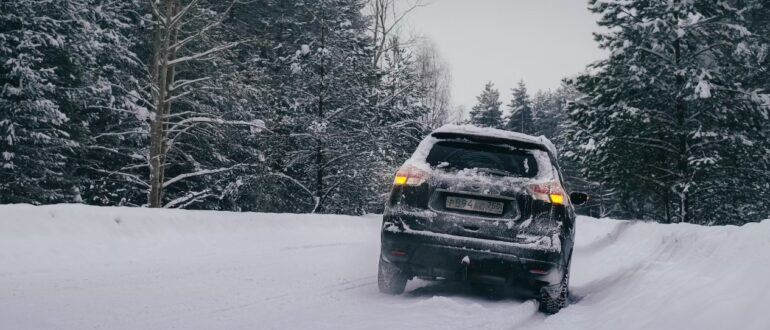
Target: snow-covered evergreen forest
(673,126)
(263,105)
(310,106)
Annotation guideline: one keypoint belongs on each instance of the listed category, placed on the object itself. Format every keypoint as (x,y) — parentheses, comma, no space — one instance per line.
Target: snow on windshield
(496,160)
(530,163)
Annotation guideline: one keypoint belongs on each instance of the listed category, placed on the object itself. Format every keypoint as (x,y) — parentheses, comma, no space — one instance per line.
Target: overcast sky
(503,41)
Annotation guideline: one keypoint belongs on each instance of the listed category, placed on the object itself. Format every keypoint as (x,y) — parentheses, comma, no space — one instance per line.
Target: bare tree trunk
(319,156)
(155,127)
(681,117)
(377,12)
(387,18)
(163,77)
(170,78)
(667,205)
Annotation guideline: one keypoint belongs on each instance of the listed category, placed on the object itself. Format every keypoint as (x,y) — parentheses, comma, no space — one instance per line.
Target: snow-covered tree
(436,85)
(322,81)
(386,18)
(401,110)
(521,118)
(758,22)
(34,147)
(67,75)
(668,120)
(111,102)
(486,113)
(181,29)
(109,119)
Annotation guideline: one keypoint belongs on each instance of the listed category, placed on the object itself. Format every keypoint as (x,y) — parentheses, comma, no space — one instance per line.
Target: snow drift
(76,267)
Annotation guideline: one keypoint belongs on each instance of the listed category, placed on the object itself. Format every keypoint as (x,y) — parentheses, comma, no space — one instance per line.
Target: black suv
(484,206)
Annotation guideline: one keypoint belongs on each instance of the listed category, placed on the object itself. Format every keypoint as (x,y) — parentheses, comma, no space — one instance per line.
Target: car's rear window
(496,159)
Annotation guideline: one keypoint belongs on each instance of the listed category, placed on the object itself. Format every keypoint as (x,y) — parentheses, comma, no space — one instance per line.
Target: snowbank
(77,267)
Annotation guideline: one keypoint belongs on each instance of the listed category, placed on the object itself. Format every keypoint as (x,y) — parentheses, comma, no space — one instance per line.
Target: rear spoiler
(490,139)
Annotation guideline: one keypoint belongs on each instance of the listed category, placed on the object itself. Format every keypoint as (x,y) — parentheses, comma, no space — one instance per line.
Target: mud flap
(466,263)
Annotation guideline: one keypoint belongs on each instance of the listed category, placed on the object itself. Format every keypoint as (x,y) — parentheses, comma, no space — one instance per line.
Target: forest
(311,106)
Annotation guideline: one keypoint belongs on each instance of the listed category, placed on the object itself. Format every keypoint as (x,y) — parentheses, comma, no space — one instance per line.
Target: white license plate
(476,205)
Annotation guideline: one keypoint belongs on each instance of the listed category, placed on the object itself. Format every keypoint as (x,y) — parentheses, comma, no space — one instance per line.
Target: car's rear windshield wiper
(495,171)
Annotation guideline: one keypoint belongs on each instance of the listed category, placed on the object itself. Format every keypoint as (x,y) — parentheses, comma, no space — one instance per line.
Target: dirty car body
(484,206)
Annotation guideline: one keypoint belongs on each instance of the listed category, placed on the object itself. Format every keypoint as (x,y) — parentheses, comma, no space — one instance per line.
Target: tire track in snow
(607,240)
(209,270)
(314,246)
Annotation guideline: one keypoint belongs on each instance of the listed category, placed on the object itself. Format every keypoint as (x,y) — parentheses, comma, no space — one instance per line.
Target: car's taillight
(410,176)
(551,192)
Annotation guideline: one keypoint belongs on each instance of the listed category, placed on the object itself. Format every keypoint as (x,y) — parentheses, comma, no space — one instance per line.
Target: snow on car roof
(497,133)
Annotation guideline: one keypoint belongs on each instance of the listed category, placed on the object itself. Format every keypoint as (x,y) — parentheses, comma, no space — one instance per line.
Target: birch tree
(179,25)
(387,17)
(435,79)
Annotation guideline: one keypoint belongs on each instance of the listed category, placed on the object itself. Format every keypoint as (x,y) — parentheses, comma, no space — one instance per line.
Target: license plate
(476,205)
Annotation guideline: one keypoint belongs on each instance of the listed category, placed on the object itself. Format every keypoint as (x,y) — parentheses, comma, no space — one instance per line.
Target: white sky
(503,41)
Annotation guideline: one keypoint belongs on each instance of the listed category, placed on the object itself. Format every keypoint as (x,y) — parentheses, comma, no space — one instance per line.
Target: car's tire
(390,279)
(550,304)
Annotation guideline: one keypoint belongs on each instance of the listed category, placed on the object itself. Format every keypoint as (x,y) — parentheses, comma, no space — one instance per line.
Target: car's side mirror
(578,198)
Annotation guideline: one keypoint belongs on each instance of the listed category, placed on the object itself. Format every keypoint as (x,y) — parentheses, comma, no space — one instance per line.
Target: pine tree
(521,118)
(486,113)
(667,121)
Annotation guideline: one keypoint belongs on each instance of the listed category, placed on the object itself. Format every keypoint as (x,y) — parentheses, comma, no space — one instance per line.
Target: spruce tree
(70,96)
(322,89)
(108,103)
(486,113)
(34,148)
(667,120)
(521,119)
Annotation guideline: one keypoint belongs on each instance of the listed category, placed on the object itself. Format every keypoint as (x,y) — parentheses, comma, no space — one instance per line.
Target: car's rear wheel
(552,300)
(390,279)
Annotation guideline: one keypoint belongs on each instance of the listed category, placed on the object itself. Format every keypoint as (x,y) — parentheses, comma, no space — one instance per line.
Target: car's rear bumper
(428,254)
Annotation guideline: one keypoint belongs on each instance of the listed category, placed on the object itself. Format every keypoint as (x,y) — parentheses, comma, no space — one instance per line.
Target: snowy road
(78,267)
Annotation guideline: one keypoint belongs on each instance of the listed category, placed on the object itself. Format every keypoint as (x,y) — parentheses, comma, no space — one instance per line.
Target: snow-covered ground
(79,267)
